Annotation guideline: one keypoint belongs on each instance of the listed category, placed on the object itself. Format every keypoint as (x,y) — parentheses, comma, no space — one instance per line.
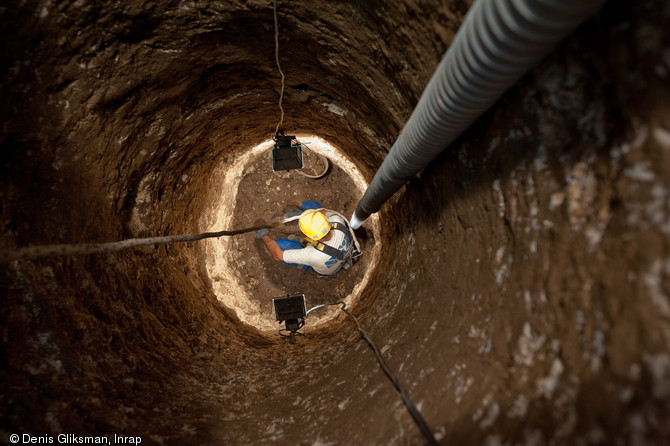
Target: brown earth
(522,294)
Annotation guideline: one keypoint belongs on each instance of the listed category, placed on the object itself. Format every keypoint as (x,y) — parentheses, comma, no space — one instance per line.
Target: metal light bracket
(287,152)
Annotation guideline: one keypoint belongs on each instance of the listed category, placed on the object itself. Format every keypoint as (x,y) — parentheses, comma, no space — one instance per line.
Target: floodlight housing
(287,153)
(289,308)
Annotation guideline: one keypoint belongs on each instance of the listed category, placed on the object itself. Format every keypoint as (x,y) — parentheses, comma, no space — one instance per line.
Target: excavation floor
(264,195)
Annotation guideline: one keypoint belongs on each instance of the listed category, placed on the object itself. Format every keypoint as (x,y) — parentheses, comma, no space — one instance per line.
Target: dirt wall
(522,290)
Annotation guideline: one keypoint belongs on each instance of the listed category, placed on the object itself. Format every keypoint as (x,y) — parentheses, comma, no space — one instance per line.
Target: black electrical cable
(411,408)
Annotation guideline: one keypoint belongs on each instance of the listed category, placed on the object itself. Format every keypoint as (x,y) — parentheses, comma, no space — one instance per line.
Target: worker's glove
(262,232)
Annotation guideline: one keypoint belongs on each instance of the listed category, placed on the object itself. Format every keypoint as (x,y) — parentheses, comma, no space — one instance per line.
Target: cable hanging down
(281,93)
(411,407)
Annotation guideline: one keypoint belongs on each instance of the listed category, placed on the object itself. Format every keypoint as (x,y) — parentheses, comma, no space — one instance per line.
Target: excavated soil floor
(260,195)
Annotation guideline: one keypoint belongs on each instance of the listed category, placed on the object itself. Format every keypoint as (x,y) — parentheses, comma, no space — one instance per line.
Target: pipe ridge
(498,42)
(471,60)
(489,43)
(555,14)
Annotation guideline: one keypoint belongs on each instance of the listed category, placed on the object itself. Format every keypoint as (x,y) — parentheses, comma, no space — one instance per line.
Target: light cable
(281,94)
(411,407)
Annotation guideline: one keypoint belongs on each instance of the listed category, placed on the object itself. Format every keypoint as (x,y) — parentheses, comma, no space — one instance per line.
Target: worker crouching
(326,248)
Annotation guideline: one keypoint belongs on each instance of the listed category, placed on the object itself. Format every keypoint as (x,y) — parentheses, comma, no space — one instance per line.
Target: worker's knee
(285,244)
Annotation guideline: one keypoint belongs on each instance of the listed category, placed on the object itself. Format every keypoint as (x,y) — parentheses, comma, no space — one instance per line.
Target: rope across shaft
(31,252)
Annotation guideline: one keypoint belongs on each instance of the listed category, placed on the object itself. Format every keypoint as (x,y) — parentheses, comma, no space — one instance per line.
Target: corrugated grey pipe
(499,41)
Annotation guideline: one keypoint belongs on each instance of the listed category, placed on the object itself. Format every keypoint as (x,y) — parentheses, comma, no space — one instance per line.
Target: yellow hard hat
(314,225)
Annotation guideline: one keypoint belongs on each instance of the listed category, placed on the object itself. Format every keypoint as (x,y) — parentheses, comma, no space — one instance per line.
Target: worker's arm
(273,247)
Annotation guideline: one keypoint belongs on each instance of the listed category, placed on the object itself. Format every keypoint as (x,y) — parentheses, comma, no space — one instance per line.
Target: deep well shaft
(521,290)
